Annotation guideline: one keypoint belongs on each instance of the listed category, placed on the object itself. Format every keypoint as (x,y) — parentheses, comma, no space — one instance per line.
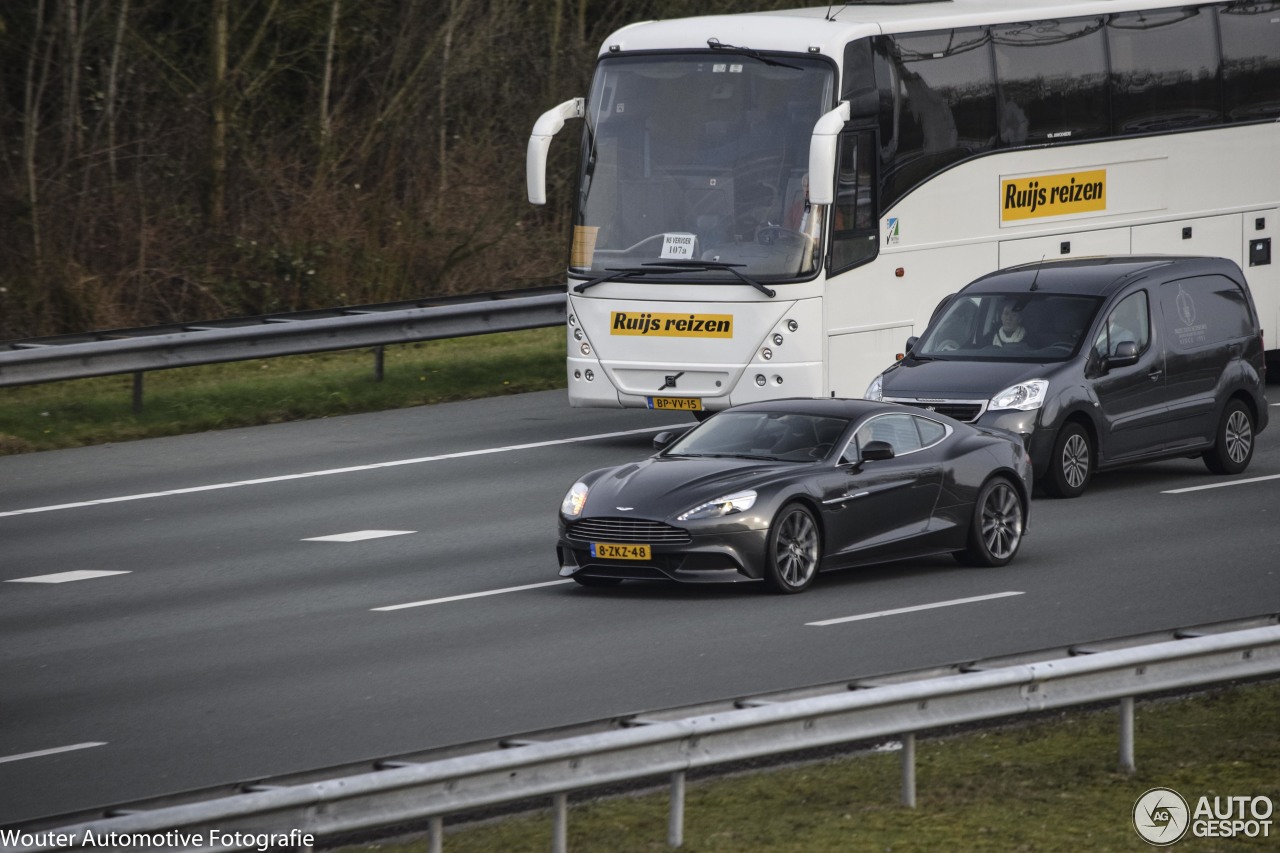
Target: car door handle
(1154,375)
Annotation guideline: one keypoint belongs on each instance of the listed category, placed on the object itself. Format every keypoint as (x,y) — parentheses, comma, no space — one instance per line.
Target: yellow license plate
(614,551)
(678,404)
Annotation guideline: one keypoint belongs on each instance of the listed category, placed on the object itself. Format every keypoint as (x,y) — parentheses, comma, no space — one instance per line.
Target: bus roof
(809,30)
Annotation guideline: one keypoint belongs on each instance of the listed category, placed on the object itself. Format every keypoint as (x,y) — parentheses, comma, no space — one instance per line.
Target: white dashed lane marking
(913,609)
(359,535)
(469,595)
(64,577)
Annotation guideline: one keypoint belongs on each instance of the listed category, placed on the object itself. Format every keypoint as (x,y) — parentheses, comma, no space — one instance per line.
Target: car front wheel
(1233,445)
(1071,464)
(795,550)
(996,529)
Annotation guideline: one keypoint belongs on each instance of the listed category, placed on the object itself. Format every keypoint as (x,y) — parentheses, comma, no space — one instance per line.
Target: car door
(1133,411)
(873,505)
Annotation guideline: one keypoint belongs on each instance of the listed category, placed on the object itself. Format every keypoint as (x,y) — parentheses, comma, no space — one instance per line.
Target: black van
(1097,362)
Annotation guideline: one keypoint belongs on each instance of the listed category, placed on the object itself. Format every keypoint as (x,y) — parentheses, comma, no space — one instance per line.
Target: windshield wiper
(716,44)
(673,266)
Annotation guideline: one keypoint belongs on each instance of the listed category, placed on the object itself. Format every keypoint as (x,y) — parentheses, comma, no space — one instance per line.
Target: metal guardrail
(431,790)
(139,350)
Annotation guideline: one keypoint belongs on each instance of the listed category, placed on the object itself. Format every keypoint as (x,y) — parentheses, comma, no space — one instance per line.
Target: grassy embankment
(1046,785)
(221,396)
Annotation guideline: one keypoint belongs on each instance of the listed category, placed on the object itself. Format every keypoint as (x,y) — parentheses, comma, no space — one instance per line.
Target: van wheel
(1071,465)
(1233,447)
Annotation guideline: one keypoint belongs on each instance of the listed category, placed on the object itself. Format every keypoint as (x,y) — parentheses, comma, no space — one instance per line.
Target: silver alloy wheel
(1075,461)
(1238,436)
(795,551)
(1002,521)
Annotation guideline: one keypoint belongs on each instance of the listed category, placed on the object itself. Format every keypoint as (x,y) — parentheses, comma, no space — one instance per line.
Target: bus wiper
(673,266)
(716,44)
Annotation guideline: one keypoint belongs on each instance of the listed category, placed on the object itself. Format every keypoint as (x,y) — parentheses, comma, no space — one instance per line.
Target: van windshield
(1009,327)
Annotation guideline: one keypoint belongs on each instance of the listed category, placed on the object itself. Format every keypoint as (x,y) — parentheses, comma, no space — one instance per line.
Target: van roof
(1096,276)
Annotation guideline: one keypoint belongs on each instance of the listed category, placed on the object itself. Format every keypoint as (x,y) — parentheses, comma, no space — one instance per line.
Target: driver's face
(1010,319)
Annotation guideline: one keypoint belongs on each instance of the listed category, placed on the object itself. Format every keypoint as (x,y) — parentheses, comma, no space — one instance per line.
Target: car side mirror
(874,450)
(1126,353)
(666,438)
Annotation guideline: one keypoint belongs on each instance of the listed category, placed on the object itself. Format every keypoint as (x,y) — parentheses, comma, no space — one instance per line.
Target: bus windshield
(1009,327)
(701,157)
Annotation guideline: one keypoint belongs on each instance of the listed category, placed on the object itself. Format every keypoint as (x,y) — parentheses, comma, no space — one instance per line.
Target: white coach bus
(769,204)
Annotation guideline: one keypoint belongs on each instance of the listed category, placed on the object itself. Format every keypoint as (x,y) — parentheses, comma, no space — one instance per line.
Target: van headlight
(1025,396)
(875,391)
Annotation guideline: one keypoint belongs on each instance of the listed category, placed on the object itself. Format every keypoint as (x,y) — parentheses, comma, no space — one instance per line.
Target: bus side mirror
(535,159)
(822,154)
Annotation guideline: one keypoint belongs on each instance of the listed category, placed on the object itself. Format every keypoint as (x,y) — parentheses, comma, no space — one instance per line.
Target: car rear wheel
(1071,465)
(1233,448)
(588,580)
(996,529)
(795,550)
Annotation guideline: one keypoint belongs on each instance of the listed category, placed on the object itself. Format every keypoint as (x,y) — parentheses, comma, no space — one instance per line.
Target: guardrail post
(137,392)
(560,824)
(1126,735)
(435,835)
(909,770)
(675,822)
(379,359)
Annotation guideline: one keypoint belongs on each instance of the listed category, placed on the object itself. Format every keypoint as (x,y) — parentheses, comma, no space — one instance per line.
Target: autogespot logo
(1161,816)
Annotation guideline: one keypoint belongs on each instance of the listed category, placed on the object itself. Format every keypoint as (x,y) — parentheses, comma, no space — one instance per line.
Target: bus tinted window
(943,104)
(1251,60)
(1164,70)
(1053,77)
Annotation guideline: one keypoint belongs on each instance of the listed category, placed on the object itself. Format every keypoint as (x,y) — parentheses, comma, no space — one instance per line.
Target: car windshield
(777,436)
(701,157)
(1009,327)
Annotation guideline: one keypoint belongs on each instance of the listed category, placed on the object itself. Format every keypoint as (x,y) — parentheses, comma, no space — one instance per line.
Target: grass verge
(1045,785)
(247,393)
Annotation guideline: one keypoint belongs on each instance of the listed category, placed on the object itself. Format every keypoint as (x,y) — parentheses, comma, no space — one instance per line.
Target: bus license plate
(614,551)
(677,404)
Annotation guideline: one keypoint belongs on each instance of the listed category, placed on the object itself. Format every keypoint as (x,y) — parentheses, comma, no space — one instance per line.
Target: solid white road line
(63,577)
(56,750)
(1222,485)
(351,470)
(359,535)
(899,610)
(470,595)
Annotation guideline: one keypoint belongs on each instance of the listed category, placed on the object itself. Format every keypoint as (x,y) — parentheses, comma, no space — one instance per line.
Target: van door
(1205,322)
(1134,414)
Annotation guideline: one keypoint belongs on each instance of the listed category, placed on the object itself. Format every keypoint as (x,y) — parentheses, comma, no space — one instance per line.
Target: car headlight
(574,501)
(727,505)
(875,391)
(1024,396)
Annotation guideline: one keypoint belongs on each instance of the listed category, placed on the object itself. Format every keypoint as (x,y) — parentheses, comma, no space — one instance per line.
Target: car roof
(1098,276)
(831,407)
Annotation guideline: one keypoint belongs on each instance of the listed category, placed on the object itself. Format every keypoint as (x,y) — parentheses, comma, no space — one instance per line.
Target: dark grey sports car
(779,491)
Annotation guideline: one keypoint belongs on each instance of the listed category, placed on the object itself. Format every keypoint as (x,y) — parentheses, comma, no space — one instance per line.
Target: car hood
(959,379)
(664,486)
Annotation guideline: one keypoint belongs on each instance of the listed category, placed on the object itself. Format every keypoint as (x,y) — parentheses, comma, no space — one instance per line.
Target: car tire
(1233,443)
(995,531)
(794,550)
(588,580)
(1071,463)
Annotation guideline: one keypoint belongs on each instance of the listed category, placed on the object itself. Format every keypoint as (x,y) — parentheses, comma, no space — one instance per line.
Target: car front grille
(967,411)
(626,530)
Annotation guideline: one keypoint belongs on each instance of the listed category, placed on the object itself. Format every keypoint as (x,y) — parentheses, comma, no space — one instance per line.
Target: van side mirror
(911,344)
(877,450)
(1126,353)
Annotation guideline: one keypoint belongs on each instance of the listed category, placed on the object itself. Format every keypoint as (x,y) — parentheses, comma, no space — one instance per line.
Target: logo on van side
(1053,195)
(671,325)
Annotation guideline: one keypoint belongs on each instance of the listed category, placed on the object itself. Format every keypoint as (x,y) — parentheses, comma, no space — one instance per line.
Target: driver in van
(1011,330)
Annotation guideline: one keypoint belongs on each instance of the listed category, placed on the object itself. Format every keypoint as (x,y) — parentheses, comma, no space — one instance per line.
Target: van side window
(1204,311)
(1128,321)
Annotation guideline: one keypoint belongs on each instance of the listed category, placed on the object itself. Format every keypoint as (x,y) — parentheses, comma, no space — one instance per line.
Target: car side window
(900,431)
(1128,321)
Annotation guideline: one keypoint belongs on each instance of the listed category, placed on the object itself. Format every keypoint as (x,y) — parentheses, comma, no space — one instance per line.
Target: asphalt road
(208,638)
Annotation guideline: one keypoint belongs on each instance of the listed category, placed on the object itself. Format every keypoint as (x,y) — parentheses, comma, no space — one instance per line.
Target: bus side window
(853,231)
(1250,60)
